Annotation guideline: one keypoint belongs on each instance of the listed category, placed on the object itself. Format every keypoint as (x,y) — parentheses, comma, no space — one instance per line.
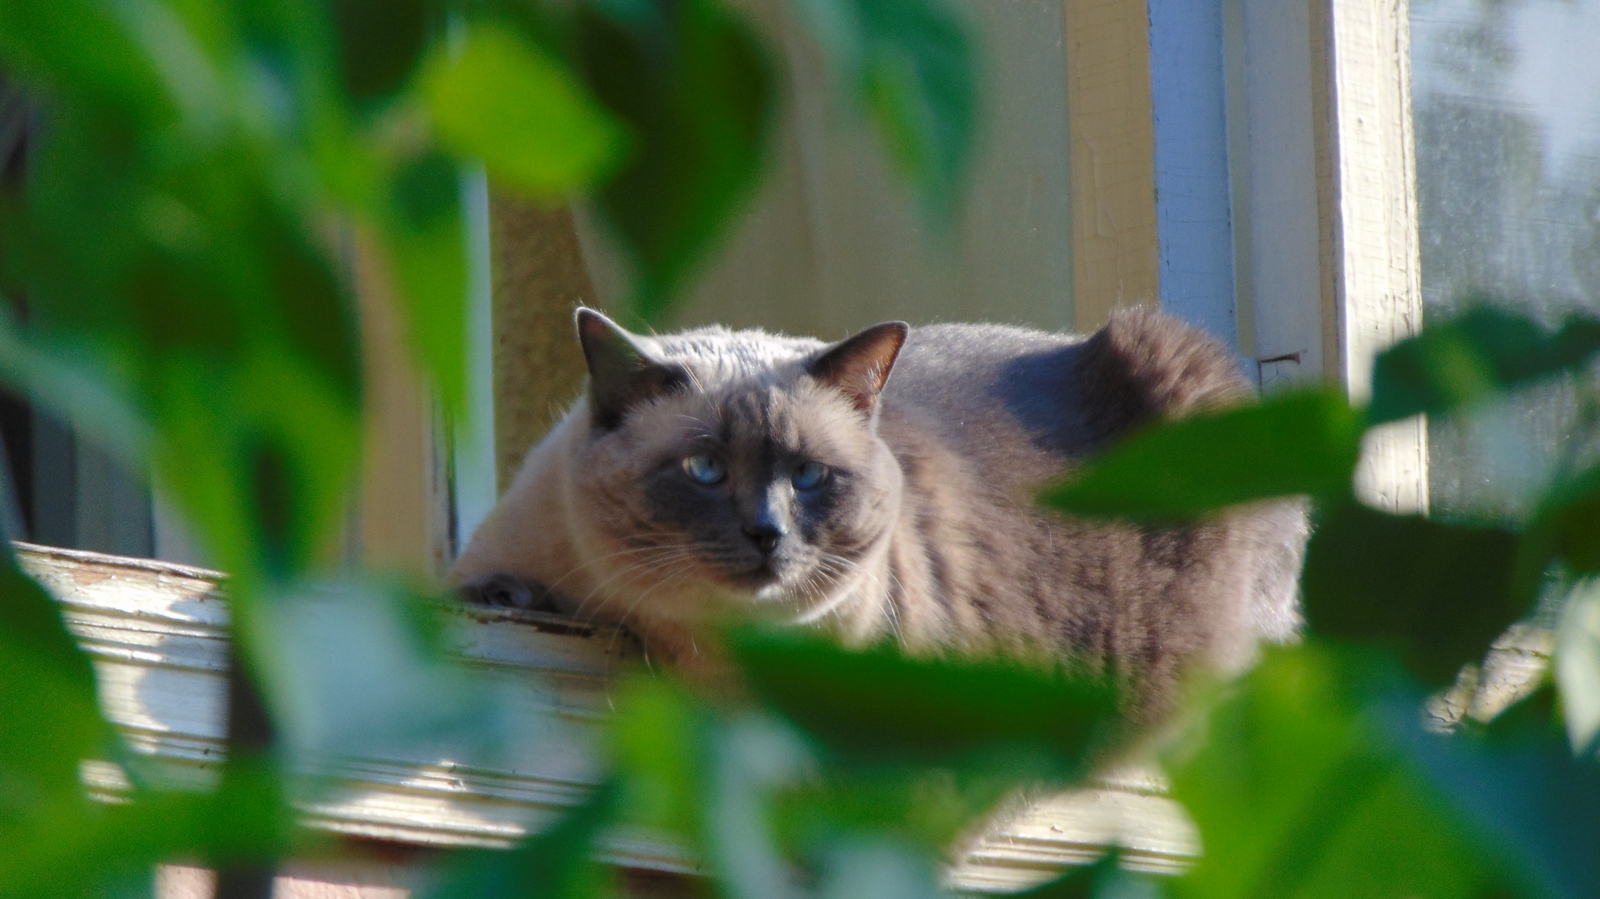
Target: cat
(882,488)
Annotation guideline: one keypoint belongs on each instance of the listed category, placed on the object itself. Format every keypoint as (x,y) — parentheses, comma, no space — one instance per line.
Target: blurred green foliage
(906,65)
(177,269)
(1295,443)
(1314,775)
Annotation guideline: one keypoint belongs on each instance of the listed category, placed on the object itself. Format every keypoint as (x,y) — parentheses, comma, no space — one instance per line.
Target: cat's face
(767,487)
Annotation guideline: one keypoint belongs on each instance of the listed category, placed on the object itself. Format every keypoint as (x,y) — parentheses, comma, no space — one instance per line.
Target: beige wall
(833,241)
(539,277)
(1116,254)
(1062,194)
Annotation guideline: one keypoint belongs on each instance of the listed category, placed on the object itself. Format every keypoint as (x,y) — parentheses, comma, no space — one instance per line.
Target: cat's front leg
(695,654)
(507,591)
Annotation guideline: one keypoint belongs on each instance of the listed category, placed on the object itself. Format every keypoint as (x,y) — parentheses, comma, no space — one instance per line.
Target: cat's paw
(507,591)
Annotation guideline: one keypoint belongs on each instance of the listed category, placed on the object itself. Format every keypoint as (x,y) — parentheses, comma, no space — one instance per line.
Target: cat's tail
(1163,367)
(1148,366)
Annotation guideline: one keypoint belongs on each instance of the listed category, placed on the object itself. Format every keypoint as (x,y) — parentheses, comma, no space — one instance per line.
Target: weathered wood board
(158,635)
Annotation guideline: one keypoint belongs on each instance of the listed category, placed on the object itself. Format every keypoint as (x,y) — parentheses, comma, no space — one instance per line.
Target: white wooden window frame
(473,481)
(1283,134)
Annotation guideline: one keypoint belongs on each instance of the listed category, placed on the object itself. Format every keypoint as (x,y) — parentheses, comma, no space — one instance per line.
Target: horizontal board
(158,636)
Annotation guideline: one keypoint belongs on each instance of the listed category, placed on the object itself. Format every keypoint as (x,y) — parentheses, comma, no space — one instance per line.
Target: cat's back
(1024,404)
(981,416)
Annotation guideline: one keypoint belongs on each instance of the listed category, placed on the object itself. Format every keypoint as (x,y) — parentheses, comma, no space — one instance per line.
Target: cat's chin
(776,588)
(770,581)
(773,592)
(755,580)
(765,591)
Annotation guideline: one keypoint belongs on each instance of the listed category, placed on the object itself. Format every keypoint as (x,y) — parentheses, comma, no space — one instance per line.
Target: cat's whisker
(897,592)
(628,571)
(698,428)
(694,378)
(623,572)
(836,565)
(824,575)
(552,585)
(626,616)
(667,555)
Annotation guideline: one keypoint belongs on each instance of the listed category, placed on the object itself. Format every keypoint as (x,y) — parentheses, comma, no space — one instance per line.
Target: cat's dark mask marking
(623,371)
(859,366)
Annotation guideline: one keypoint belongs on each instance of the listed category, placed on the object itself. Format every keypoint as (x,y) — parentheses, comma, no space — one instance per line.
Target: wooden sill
(157,634)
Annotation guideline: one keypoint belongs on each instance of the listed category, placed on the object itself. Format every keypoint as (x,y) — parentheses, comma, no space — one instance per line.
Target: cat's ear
(859,366)
(623,371)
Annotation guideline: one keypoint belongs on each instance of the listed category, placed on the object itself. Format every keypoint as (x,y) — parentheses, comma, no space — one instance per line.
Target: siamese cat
(883,488)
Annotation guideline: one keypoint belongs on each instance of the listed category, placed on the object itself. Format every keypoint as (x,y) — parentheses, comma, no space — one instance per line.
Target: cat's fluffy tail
(1169,367)
(1152,366)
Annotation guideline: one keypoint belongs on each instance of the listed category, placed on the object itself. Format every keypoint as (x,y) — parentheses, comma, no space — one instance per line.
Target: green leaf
(930,808)
(380,42)
(748,759)
(257,449)
(911,67)
(1294,443)
(692,82)
(1298,793)
(354,669)
(1567,522)
(1476,355)
(49,715)
(1102,880)
(554,864)
(64,384)
(1525,788)
(878,868)
(923,711)
(82,46)
(1577,665)
(1436,593)
(427,244)
(658,743)
(76,852)
(500,99)
(193,294)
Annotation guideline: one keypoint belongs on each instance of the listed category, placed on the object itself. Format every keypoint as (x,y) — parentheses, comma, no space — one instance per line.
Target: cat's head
(739,466)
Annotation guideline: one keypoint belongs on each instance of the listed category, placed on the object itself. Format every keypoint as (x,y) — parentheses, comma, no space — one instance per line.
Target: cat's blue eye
(809,476)
(705,469)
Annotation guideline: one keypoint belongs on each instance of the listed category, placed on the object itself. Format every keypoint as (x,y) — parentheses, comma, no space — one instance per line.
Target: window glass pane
(1506,102)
